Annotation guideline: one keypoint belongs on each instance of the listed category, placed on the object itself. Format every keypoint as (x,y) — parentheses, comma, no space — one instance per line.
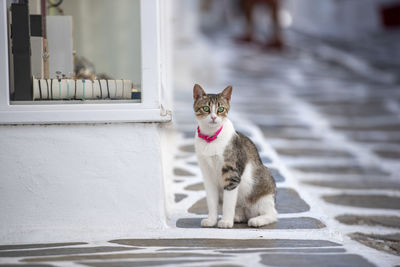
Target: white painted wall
(80,182)
(84,182)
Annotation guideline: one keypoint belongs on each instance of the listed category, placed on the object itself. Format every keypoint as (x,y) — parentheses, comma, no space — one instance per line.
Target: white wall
(80,182)
(83,182)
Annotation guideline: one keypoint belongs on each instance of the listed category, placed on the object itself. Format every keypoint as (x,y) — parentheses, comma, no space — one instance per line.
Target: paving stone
(179,197)
(186,249)
(180,156)
(200,207)
(142,263)
(288,132)
(265,160)
(286,250)
(225,265)
(278,177)
(289,125)
(283,128)
(353,109)
(182,172)
(224,243)
(49,245)
(194,163)
(382,220)
(358,183)
(313,152)
(388,154)
(351,169)
(365,201)
(287,120)
(189,134)
(263,110)
(123,256)
(283,223)
(62,251)
(287,201)
(304,260)
(187,148)
(387,243)
(383,128)
(364,137)
(292,137)
(195,187)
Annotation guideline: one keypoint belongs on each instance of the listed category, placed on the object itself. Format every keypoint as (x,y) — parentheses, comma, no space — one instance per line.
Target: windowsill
(99,115)
(74,102)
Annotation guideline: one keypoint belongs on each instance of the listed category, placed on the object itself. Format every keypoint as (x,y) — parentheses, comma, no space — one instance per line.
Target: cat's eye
(221,109)
(206,108)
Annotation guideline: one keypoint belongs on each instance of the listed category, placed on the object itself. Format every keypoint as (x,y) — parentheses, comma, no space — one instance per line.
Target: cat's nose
(213,118)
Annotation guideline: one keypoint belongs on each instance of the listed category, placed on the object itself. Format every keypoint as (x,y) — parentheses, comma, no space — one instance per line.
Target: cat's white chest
(215,163)
(217,147)
(213,149)
(211,155)
(211,160)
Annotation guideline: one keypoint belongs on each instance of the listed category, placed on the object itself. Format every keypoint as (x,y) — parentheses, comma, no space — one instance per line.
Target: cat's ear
(198,92)
(227,93)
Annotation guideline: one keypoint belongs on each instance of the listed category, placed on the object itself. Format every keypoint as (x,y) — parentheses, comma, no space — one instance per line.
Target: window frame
(149,110)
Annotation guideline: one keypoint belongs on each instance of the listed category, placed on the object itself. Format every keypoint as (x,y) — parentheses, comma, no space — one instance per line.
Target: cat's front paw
(208,222)
(225,224)
(255,222)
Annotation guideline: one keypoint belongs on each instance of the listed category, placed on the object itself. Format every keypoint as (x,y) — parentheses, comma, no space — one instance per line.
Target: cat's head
(211,109)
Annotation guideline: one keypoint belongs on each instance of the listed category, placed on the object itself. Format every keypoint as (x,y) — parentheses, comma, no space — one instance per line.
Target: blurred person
(248,6)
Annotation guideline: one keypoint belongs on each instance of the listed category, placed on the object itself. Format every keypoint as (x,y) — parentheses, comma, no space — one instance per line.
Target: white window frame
(149,110)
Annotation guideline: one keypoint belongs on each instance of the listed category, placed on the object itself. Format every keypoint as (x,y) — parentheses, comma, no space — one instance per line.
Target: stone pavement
(332,142)
(375,57)
(331,139)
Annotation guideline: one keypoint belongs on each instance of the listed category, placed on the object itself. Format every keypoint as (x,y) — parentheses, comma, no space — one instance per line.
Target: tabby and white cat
(232,169)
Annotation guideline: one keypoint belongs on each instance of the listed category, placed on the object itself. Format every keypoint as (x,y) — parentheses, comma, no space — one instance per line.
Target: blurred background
(365,32)
(325,52)
(316,82)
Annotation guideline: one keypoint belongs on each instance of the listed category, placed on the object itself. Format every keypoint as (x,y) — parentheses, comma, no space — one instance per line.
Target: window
(87,61)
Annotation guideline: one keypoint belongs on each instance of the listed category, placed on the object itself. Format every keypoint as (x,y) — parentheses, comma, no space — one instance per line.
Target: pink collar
(206,137)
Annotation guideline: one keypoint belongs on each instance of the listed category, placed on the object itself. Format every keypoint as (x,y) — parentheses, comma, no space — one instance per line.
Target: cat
(231,166)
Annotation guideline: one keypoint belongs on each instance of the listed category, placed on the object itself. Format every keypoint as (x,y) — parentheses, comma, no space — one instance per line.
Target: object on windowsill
(59,36)
(84,69)
(37,45)
(79,89)
(21,51)
(136,94)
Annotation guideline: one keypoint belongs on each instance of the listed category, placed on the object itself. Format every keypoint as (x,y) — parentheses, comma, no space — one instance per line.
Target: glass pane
(82,52)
